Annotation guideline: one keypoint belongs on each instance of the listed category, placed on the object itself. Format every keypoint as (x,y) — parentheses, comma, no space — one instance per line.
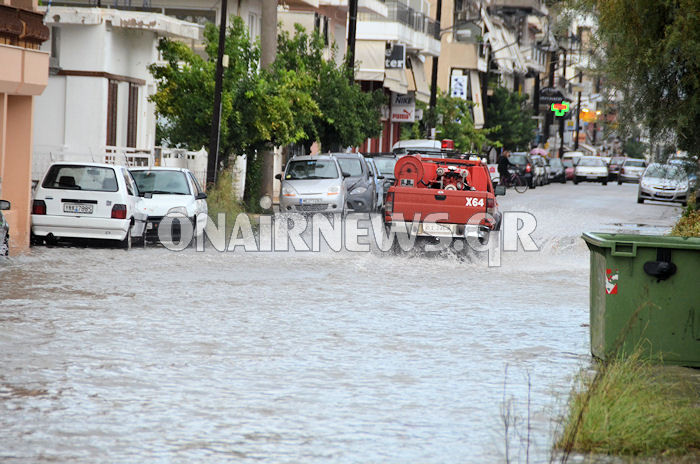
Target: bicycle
(514,180)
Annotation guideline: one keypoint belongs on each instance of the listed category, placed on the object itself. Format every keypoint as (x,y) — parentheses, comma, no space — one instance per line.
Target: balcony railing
(403,14)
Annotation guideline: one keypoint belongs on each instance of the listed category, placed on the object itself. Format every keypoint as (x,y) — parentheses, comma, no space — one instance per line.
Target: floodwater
(159,356)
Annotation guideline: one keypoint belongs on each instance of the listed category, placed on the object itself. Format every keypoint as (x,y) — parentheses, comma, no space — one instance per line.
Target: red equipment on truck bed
(448,197)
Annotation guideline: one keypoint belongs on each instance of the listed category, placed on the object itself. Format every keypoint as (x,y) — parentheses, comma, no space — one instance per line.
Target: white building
(96,102)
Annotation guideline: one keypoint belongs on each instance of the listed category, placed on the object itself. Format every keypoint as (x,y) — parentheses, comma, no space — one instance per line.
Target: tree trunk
(268,40)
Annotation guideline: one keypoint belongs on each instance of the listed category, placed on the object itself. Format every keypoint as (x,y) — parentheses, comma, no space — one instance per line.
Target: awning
(504,47)
(369,55)
(422,88)
(396,81)
(476,98)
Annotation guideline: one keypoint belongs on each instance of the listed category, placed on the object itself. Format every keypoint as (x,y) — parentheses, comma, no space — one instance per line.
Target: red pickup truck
(437,197)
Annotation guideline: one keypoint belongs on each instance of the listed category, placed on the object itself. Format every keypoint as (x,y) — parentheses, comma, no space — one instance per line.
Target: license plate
(591,177)
(77,209)
(433,228)
(309,201)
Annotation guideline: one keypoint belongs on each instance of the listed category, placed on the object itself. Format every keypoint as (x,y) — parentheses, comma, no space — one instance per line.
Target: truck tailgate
(459,205)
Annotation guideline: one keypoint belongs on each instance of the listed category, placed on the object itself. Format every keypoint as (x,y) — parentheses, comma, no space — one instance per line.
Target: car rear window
(617,160)
(76,177)
(635,163)
(351,166)
(518,159)
(311,169)
(161,182)
(591,162)
(555,163)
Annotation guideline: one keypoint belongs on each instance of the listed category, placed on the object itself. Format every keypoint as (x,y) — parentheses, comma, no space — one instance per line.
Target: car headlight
(359,191)
(177,210)
(334,190)
(288,191)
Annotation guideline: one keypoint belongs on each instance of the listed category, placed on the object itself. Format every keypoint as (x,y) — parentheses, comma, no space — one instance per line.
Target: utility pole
(268,43)
(578,109)
(561,119)
(352,34)
(213,158)
(434,75)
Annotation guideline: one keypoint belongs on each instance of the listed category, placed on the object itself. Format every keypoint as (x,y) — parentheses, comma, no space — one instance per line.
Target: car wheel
(5,246)
(619,181)
(605,182)
(35,240)
(563,180)
(640,200)
(127,242)
(683,203)
(576,180)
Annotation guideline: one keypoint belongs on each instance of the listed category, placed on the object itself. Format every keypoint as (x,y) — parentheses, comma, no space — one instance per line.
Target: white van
(87,200)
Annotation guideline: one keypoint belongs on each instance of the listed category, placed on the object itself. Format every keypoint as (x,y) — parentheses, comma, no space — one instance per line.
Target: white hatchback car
(87,200)
(592,169)
(170,191)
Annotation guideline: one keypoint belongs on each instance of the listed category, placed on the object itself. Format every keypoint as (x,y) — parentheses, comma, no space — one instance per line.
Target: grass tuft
(632,407)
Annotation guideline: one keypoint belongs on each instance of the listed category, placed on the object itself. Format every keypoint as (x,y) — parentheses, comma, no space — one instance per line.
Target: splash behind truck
(443,197)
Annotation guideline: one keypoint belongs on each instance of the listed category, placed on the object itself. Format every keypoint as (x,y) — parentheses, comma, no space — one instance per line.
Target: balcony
(534,7)
(402,24)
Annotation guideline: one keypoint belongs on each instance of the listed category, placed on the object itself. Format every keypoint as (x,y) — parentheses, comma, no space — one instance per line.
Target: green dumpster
(645,290)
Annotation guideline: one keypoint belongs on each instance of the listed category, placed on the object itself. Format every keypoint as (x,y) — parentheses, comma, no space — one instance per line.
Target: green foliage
(453,118)
(259,108)
(221,199)
(347,115)
(632,408)
(689,223)
(508,117)
(653,56)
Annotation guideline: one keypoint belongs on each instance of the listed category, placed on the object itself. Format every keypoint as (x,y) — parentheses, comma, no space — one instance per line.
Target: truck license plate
(77,208)
(436,228)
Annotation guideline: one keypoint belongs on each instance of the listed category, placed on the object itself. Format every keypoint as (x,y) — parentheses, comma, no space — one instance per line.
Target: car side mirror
(345,175)
(148,195)
(4,205)
(500,190)
(278,176)
(380,177)
(201,196)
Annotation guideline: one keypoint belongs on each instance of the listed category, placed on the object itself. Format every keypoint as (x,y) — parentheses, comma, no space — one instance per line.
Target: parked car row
(109,202)
(336,183)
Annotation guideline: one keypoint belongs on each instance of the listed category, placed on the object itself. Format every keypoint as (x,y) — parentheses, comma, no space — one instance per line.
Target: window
(195,182)
(112,94)
(351,166)
(161,182)
(311,169)
(75,177)
(132,118)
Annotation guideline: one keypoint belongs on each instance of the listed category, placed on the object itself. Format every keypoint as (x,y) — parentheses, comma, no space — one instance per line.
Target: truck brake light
(389,203)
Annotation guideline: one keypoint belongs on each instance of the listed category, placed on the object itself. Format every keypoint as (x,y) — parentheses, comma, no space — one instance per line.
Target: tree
(510,120)
(347,115)
(652,55)
(453,119)
(259,108)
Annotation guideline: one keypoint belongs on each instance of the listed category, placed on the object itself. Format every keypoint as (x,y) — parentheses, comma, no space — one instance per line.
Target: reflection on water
(157,356)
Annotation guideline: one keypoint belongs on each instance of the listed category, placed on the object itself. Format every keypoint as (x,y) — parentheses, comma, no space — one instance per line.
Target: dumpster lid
(608,240)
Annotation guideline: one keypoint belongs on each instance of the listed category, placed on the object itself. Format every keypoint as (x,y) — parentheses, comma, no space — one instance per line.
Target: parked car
(313,184)
(690,168)
(361,196)
(614,166)
(573,156)
(525,167)
(541,169)
(378,182)
(664,182)
(4,229)
(631,170)
(569,168)
(87,200)
(591,169)
(170,190)
(556,170)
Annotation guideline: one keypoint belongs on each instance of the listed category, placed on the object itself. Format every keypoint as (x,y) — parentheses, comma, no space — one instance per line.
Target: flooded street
(159,356)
